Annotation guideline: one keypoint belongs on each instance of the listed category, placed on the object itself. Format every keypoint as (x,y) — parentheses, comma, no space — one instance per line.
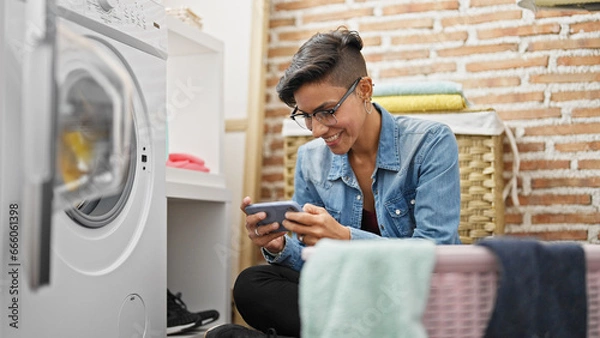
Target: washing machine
(82,168)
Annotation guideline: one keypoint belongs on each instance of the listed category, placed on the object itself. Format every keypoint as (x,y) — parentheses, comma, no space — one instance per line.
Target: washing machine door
(94,121)
(77,133)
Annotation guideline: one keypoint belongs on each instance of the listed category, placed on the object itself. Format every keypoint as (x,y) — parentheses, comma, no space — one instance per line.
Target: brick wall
(540,71)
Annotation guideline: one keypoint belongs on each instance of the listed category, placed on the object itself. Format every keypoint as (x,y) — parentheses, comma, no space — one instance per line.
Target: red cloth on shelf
(186,161)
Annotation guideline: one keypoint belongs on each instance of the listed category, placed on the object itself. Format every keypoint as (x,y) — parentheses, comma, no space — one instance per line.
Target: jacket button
(358,197)
(412,202)
(397,212)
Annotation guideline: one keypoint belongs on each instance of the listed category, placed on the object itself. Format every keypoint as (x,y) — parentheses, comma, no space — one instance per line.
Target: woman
(366,175)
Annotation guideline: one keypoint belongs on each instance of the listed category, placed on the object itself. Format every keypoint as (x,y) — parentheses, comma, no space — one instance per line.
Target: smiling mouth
(332,138)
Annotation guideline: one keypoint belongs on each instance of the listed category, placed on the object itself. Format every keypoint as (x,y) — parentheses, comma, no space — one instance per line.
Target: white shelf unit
(195,94)
(199,248)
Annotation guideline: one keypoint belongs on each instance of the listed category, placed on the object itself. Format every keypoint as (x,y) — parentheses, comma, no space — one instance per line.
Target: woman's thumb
(311,209)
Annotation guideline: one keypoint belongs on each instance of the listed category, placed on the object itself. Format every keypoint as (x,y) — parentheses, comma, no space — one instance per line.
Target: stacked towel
(369,288)
(542,289)
(417,88)
(421,103)
(420,96)
(186,161)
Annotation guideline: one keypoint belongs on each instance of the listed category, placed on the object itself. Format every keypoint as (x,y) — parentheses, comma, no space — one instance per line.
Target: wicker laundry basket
(480,149)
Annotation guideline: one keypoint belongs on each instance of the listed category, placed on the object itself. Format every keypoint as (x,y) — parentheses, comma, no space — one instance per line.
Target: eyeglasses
(324,116)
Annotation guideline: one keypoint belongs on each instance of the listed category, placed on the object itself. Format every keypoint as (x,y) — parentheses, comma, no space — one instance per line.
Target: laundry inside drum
(84,138)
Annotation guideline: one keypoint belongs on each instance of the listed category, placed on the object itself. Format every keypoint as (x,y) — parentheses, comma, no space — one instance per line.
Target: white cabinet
(199,247)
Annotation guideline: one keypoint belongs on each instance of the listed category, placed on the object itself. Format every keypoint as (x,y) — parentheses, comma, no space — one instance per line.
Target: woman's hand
(313,224)
(264,235)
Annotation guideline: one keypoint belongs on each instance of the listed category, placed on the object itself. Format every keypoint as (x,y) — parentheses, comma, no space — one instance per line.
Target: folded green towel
(367,288)
(417,88)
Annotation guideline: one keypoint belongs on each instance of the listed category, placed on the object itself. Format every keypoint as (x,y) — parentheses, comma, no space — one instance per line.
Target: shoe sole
(207,320)
(179,328)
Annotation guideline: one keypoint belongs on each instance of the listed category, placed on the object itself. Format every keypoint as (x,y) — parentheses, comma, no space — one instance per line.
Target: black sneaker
(238,331)
(179,319)
(207,317)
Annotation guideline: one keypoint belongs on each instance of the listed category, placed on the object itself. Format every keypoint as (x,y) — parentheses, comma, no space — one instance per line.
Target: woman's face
(350,116)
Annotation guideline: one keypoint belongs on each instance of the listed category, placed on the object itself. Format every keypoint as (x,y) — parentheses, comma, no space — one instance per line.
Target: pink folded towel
(186,161)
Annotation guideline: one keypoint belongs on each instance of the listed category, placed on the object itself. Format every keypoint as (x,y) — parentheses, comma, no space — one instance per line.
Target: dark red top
(369,222)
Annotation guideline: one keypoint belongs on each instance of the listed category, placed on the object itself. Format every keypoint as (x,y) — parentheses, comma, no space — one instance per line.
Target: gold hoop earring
(369,111)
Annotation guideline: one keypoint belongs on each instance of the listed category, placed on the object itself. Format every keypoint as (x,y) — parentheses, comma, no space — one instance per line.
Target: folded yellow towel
(421,103)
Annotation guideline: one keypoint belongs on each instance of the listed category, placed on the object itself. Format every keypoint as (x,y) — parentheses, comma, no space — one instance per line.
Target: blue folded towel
(542,289)
(417,88)
(367,288)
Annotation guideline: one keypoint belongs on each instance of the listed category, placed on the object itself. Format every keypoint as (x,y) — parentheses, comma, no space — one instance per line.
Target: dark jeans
(267,297)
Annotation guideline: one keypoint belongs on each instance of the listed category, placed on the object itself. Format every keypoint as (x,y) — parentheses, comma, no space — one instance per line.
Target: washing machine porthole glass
(89,108)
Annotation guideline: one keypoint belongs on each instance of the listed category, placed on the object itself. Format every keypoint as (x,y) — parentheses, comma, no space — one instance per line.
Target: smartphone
(275,211)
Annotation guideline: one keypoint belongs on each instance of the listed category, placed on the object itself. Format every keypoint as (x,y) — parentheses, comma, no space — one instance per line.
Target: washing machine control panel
(141,19)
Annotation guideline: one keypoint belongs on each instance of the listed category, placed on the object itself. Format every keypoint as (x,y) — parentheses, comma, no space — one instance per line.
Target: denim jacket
(416,185)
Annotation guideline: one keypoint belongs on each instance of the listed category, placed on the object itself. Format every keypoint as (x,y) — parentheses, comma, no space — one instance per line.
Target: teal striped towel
(417,88)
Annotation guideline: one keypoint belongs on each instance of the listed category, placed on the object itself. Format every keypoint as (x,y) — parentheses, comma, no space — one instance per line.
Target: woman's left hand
(313,224)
